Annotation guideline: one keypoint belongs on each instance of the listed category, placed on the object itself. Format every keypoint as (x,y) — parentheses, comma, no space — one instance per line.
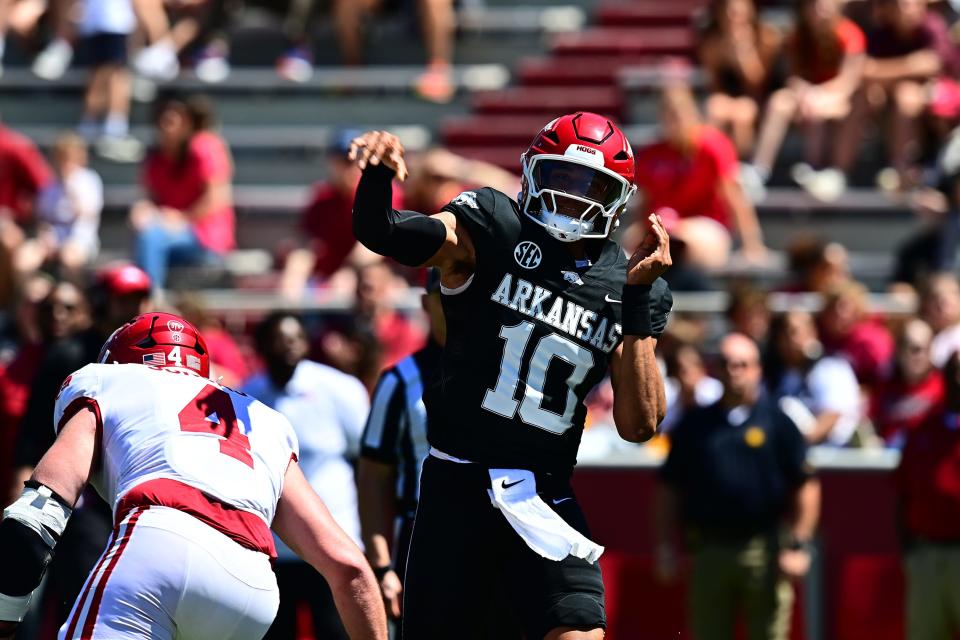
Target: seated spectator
(328,252)
(103,30)
(687,384)
(188,218)
(61,314)
(24,175)
(172,28)
(816,266)
(819,393)
(825,54)
(68,213)
(748,313)
(693,169)
(849,331)
(912,391)
(908,47)
(343,345)
(437,22)
(738,52)
(940,307)
(21,324)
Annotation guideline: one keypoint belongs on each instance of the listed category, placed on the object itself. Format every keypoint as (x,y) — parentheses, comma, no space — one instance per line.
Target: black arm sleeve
(408,237)
(25,557)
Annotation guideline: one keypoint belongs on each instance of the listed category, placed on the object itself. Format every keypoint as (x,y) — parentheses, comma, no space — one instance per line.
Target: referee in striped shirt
(393,448)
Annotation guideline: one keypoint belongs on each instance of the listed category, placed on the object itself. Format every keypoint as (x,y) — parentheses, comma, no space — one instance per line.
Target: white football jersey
(164,424)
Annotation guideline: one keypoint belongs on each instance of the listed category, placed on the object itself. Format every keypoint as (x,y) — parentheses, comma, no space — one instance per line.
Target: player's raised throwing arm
(639,401)
(409,237)
(305,525)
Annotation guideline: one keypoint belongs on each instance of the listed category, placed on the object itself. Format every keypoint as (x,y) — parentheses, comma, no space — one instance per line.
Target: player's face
(577,180)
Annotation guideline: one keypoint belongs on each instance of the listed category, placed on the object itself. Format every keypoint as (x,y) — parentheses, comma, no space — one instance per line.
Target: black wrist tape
(635,312)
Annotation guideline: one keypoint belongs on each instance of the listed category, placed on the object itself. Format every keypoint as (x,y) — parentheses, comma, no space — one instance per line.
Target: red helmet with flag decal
(577,177)
(160,339)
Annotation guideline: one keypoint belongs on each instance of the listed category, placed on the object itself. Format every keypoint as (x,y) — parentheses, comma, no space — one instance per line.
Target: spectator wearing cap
(940,307)
(393,448)
(819,392)
(928,480)
(188,218)
(737,483)
(327,409)
(825,53)
(913,390)
(693,169)
(328,249)
(68,213)
(119,292)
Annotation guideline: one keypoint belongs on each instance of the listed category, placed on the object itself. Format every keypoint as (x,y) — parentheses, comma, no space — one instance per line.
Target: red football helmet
(577,177)
(160,339)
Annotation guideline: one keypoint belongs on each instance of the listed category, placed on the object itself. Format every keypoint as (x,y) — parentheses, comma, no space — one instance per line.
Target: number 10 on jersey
(500,399)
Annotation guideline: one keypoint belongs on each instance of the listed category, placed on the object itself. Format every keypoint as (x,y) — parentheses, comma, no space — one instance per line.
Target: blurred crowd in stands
(847,375)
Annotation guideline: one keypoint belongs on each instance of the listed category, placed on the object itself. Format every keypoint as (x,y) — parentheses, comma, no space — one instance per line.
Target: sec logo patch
(528,254)
(754,437)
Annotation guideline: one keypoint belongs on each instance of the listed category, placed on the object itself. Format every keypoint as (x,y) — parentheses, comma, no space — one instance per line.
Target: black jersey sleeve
(491,218)
(385,421)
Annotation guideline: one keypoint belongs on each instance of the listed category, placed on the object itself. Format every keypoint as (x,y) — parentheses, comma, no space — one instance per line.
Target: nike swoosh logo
(559,500)
(609,299)
(505,485)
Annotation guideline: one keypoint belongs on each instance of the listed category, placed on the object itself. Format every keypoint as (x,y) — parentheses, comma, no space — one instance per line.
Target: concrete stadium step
(549,102)
(655,13)
(260,109)
(620,41)
(593,71)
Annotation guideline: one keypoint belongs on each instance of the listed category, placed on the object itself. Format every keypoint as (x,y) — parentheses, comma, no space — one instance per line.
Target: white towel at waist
(514,492)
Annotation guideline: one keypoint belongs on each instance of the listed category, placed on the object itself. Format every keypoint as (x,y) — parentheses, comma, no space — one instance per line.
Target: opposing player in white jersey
(196,473)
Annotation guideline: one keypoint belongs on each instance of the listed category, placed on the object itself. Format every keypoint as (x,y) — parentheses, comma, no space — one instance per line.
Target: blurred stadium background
(284,104)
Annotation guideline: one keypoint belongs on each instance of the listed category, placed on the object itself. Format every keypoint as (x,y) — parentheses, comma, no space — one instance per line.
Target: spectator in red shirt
(826,56)
(62,313)
(738,53)
(694,171)
(227,361)
(377,291)
(909,47)
(848,330)
(188,218)
(929,485)
(913,390)
(329,250)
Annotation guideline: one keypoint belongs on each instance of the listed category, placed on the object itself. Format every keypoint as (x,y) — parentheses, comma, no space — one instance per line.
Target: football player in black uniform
(540,304)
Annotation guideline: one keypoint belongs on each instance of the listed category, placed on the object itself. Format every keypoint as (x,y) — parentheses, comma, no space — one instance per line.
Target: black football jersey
(528,336)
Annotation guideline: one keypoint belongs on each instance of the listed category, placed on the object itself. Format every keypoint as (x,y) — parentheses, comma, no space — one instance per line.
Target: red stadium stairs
(583,72)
